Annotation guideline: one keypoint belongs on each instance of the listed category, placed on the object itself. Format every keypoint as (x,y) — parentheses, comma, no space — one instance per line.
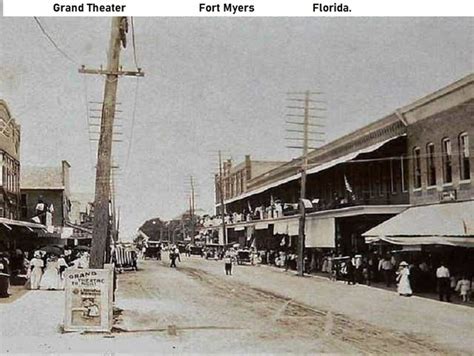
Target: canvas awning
(280,228)
(313,170)
(261,226)
(8,223)
(320,232)
(286,227)
(439,224)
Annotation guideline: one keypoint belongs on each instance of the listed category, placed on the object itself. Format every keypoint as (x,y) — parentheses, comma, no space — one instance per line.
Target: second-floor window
(416,168)
(404,173)
(464,157)
(430,163)
(447,161)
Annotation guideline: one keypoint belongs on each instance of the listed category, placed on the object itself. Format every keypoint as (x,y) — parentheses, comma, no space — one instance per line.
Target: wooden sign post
(89,300)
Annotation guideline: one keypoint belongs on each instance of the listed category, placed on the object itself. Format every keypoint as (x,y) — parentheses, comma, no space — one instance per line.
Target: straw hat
(403,263)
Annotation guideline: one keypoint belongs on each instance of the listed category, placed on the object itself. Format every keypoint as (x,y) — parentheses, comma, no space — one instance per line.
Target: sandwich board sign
(89,299)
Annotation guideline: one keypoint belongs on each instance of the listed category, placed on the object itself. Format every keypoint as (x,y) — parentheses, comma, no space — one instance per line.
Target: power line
(133,43)
(65,55)
(129,149)
(88,123)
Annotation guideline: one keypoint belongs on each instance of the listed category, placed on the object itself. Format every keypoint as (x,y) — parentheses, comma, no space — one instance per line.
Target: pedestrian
(4,277)
(403,279)
(172,258)
(41,209)
(158,253)
(51,279)
(36,270)
(386,267)
(287,261)
(350,271)
(464,288)
(228,264)
(357,262)
(62,264)
(176,252)
(134,257)
(443,276)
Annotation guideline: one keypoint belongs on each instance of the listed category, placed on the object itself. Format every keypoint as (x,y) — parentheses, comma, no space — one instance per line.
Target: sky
(212,84)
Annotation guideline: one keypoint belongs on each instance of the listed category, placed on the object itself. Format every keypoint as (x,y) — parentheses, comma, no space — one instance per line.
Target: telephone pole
(100,232)
(221,196)
(191,211)
(304,166)
(304,161)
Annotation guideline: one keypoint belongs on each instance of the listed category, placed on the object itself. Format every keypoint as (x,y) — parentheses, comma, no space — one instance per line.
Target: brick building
(440,136)
(440,139)
(418,154)
(9,163)
(235,179)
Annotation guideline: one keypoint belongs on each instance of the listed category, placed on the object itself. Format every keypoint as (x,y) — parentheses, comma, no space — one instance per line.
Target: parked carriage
(125,258)
(243,256)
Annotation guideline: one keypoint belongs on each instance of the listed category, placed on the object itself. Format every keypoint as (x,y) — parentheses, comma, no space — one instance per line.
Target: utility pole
(191,211)
(100,233)
(304,166)
(304,163)
(221,196)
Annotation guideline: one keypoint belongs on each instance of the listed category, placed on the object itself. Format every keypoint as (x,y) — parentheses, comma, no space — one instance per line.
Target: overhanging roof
(313,170)
(26,224)
(446,224)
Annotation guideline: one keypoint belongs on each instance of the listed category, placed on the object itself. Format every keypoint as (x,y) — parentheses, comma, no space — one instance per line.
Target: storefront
(426,235)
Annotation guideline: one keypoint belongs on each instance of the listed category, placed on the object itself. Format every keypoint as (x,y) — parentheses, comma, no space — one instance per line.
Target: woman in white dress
(50,279)
(36,271)
(404,287)
(62,265)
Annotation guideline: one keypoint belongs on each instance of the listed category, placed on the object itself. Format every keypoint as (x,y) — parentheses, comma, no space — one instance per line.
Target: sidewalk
(32,324)
(455,299)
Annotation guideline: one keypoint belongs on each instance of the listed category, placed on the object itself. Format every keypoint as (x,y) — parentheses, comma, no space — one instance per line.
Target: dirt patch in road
(337,332)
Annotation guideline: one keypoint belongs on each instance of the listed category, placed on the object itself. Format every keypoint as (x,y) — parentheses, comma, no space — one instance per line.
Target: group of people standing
(407,276)
(46,271)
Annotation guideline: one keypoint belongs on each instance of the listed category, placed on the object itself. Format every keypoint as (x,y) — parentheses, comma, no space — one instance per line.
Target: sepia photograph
(236,185)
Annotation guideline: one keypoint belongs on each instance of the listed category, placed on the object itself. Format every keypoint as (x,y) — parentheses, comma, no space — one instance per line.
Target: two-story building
(419,154)
(440,144)
(234,179)
(9,163)
(354,182)
(14,233)
(52,186)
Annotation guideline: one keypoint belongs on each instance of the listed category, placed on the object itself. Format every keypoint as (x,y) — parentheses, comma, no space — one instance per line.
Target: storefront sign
(89,299)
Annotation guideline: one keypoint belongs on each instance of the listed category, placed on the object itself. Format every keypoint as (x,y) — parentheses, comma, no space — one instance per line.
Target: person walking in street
(228,264)
(443,275)
(403,279)
(176,252)
(172,258)
(174,255)
(386,267)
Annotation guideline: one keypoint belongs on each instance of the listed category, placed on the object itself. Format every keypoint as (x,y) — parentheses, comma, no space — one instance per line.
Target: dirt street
(206,311)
